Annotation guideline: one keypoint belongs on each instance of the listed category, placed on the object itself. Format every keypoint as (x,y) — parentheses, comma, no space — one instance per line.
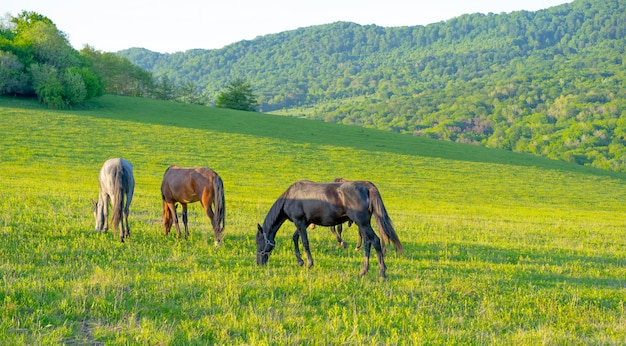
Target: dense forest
(548,82)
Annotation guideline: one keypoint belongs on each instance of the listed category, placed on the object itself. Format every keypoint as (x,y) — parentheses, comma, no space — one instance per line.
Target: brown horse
(189,185)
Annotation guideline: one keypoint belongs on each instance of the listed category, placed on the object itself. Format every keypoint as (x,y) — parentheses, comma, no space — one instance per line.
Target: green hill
(500,247)
(547,82)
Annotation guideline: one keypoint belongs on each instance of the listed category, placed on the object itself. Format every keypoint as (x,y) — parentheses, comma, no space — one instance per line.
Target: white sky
(171,26)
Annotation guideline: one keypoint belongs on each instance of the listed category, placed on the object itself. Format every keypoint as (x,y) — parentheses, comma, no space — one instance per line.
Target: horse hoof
(343,245)
(300,263)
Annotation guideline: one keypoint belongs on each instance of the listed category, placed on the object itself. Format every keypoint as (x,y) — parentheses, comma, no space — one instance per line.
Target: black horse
(326,204)
(337,230)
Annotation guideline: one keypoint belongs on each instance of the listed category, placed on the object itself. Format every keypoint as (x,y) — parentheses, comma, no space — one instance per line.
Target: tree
(164,89)
(36,59)
(188,93)
(13,78)
(119,76)
(47,85)
(238,95)
(74,88)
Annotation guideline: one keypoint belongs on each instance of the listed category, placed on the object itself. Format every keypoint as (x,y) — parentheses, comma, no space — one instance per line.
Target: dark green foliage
(36,59)
(75,90)
(119,76)
(13,78)
(164,89)
(546,82)
(94,85)
(47,85)
(237,95)
(188,92)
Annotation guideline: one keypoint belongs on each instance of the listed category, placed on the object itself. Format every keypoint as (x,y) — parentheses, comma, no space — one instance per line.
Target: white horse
(117,185)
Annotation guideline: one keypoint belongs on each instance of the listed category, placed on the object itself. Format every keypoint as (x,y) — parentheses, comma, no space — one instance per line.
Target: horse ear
(260,228)
(93,202)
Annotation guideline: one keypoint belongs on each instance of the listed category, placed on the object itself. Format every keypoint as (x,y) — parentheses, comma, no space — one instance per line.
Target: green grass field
(500,248)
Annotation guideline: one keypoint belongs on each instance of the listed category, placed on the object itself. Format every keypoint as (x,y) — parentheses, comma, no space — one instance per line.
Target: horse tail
(118,195)
(382,219)
(220,205)
(164,204)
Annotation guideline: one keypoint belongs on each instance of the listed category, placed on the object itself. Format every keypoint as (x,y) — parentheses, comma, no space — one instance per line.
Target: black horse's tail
(118,194)
(219,214)
(382,219)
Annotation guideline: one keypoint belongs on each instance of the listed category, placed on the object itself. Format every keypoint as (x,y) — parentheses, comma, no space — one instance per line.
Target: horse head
(264,246)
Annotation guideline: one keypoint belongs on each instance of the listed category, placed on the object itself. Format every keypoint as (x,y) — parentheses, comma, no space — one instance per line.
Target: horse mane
(276,216)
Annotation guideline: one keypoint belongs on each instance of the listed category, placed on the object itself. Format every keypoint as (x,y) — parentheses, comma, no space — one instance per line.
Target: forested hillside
(548,82)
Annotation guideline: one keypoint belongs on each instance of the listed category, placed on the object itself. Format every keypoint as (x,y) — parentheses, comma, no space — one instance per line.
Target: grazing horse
(189,185)
(337,230)
(117,185)
(326,204)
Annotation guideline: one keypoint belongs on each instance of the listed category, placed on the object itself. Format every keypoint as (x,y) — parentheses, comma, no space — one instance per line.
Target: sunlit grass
(501,248)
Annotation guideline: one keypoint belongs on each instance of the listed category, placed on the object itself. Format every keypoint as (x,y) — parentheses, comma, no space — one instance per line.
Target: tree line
(36,60)
(547,82)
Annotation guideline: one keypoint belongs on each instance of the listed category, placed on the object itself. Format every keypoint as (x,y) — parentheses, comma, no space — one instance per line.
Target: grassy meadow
(500,248)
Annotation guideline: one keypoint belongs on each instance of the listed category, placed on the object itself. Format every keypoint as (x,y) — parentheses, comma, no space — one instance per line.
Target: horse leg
(125,216)
(337,233)
(366,255)
(371,238)
(380,253)
(296,236)
(305,243)
(130,189)
(175,217)
(359,242)
(105,211)
(185,218)
(206,204)
(123,224)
